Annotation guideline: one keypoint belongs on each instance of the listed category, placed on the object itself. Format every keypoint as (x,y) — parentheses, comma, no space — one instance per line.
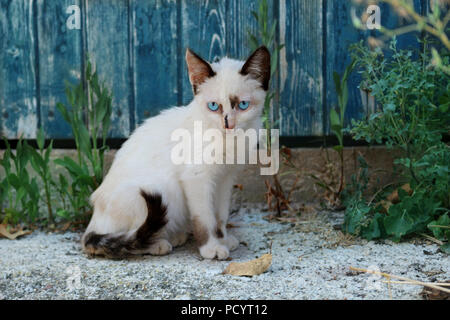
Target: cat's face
(230,93)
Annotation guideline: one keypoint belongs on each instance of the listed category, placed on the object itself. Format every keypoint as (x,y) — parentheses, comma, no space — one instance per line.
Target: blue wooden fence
(138,48)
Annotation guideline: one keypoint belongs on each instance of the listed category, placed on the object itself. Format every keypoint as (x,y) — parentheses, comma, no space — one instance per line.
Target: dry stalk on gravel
(437,286)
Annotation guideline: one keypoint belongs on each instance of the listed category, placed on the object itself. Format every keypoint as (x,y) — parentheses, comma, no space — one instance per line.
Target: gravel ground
(311,260)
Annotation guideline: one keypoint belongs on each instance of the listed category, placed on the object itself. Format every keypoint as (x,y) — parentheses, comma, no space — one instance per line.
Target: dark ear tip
(258,66)
(264,49)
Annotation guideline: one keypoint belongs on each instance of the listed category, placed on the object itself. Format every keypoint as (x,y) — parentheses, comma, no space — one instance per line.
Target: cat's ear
(199,70)
(257,66)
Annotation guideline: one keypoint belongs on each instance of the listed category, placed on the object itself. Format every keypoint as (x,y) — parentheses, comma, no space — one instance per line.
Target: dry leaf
(394,198)
(249,268)
(65,227)
(11,236)
(239,186)
(385,205)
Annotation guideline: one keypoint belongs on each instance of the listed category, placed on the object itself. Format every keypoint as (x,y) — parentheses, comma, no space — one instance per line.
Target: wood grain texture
(392,19)
(155,68)
(301,81)
(239,21)
(138,48)
(340,33)
(203,30)
(18,87)
(60,56)
(108,46)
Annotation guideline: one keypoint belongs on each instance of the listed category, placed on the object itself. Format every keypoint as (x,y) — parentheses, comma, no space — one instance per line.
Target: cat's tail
(121,245)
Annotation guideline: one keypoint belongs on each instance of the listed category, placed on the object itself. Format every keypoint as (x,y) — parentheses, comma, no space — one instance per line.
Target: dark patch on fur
(200,77)
(234,101)
(219,233)
(258,66)
(200,232)
(119,246)
(226,121)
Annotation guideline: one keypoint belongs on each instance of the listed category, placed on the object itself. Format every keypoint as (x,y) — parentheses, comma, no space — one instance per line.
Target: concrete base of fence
(321,163)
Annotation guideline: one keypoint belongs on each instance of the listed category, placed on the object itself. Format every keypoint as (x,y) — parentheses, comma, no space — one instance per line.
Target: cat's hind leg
(147,238)
(179,239)
(160,247)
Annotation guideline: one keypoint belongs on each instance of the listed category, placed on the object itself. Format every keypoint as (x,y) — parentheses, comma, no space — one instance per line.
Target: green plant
(266,36)
(89,101)
(20,191)
(434,23)
(441,230)
(40,161)
(89,114)
(332,182)
(22,188)
(337,118)
(414,102)
(412,117)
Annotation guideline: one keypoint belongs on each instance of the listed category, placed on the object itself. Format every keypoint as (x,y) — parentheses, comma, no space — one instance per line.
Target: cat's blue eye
(243,105)
(213,106)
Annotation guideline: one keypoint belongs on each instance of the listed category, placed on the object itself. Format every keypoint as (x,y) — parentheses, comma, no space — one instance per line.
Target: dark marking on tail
(118,246)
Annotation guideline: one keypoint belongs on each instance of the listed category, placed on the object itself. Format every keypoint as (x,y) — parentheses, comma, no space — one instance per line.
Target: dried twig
(389,276)
(378,192)
(432,239)
(441,284)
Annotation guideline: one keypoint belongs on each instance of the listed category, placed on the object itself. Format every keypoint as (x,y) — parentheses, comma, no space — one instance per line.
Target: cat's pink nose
(229,123)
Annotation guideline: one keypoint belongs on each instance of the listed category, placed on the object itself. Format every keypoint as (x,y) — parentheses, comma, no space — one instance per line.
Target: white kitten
(148,204)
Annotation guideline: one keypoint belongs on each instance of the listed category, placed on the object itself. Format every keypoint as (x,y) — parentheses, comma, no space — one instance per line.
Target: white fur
(190,191)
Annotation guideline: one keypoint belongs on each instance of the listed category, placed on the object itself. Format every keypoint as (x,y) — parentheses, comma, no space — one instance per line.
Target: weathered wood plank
(340,34)
(155,67)
(239,21)
(138,48)
(60,56)
(301,80)
(203,30)
(18,96)
(392,19)
(108,47)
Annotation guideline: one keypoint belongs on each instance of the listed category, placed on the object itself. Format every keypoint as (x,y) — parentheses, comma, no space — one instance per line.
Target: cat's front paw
(214,250)
(231,242)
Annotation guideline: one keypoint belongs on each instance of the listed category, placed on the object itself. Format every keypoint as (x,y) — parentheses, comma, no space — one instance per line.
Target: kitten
(146,203)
